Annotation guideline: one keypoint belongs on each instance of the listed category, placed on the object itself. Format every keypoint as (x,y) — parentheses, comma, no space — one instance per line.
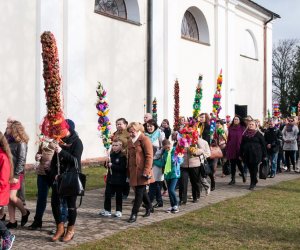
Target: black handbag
(264,169)
(71,182)
(205,169)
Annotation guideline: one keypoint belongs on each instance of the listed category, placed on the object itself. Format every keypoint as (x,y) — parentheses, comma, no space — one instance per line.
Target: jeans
(56,203)
(43,188)
(3,230)
(273,159)
(172,194)
(155,191)
(63,210)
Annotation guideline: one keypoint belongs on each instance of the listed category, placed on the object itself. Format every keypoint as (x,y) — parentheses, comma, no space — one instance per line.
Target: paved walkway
(90,226)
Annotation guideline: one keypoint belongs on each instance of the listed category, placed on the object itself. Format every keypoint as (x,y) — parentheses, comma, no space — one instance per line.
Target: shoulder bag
(205,169)
(215,152)
(71,183)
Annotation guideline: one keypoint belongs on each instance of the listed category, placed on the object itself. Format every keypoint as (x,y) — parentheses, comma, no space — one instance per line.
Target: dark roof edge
(260,8)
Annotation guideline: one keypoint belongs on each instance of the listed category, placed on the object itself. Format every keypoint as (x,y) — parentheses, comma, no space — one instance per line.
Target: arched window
(189,28)
(111,7)
(194,26)
(249,45)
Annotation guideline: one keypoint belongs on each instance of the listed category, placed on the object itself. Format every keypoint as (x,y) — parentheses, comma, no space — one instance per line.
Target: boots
(69,234)
(60,231)
(232,182)
(132,218)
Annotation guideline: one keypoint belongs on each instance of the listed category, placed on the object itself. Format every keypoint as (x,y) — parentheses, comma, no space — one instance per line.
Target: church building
(136,49)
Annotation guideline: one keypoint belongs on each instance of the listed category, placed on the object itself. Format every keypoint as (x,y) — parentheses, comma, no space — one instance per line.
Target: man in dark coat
(273,138)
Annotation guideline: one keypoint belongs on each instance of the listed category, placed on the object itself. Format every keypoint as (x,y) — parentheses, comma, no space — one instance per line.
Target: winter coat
(235,134)
(19,152)
(117,173)
(70,152)
(290,138)
(139,161)
(4,178)
(175,164)
(253,149)
(193,160)
(273,136)
(123,136)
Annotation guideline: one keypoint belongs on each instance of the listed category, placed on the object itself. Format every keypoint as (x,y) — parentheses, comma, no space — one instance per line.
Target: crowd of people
(142,158)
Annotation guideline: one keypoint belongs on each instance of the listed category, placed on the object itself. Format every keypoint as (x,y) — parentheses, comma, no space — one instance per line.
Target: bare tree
(283,64)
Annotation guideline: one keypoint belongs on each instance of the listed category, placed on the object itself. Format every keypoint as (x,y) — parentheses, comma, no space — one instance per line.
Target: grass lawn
(265,219)
(94,180)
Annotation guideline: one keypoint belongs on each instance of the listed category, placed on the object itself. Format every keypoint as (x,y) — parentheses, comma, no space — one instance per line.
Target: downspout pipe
(265,66)
(149,56)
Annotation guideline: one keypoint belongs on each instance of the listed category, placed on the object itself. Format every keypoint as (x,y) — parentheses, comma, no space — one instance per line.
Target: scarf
(168,165)
(137,136)
(250,133)
(153,136)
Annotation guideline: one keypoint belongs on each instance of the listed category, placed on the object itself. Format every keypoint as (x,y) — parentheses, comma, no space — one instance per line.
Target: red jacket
(4,178)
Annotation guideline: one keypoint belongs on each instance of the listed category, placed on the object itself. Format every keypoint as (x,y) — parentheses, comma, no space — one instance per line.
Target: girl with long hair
(18,147)
(6,174)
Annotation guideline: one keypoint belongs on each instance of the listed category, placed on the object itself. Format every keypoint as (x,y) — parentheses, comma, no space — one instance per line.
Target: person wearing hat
(67,153)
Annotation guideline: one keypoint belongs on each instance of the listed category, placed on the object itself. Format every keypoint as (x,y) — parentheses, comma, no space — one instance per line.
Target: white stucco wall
(249,72)
(115,54)
(17,65)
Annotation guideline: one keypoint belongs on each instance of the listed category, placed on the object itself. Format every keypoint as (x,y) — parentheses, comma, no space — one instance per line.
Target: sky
(286,27)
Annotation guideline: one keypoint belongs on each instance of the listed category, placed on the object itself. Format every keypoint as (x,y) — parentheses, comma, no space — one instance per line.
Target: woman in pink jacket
(6,174)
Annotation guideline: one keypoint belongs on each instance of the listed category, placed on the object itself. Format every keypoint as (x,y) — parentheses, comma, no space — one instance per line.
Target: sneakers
(118,214)
(105,213)
(172,210)
(169,210)
(8,241)
(175,210)
(207,191)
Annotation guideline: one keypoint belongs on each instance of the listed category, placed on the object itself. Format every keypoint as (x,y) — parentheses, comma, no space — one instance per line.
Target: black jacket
(71,151)
(118,173)
(253,149)
(19,152)
(273,136)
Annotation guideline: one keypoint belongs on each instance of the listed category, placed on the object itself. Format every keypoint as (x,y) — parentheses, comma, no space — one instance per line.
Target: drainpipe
(265,65)
(149,56)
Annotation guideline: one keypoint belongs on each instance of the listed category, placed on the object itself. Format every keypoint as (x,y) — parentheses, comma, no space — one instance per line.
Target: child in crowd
(171,166)
(116,179)
(6,175)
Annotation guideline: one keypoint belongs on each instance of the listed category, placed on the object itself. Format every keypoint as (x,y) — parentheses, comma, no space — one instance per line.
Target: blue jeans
(43,188)
(172,194)
(273,159)
(155,192)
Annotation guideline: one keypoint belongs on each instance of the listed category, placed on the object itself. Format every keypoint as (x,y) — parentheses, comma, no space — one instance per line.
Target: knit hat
(71,124)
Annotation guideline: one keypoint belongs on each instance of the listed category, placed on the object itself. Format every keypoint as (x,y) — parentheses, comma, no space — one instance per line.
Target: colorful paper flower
(104,124)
